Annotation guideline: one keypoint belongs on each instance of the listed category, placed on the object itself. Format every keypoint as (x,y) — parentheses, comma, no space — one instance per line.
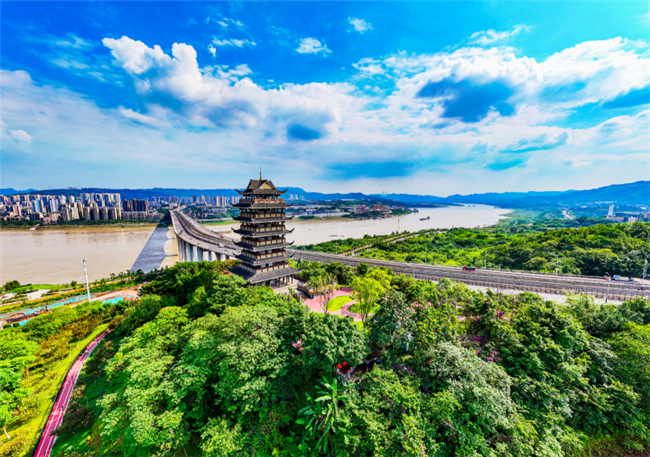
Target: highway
(193,233)
(497,280)
(46,442)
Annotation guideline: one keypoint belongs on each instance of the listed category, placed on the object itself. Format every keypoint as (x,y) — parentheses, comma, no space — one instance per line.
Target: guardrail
(503,280)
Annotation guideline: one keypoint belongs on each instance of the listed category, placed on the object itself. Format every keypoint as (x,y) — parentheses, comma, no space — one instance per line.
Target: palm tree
(322,414)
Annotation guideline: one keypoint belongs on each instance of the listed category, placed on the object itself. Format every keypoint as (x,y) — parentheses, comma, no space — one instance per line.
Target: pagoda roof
(263,276)
(261,187)
(263,205)
(250,234)
(264,247)
(249,261)
(262,220)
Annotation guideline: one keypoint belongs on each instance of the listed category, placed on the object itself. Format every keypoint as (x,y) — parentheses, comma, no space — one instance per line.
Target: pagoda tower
(263,258)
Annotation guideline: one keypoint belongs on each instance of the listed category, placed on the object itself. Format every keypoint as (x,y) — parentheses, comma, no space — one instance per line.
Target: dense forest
(617,249)
(33,361)
(203,366)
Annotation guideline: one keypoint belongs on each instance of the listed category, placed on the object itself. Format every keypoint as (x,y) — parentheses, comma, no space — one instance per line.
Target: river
(53,256)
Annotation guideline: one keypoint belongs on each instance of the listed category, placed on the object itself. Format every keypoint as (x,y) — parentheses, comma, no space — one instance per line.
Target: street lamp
(557,263)
(609,280)
(86,273)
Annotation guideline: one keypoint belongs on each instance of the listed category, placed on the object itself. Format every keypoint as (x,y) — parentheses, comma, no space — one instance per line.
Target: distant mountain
(492,198)
(632,194)
(12,191)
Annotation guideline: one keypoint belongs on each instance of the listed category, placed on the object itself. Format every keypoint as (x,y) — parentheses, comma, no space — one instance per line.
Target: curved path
(46,441)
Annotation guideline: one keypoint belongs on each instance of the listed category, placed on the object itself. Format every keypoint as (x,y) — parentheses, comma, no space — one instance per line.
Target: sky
(432,98)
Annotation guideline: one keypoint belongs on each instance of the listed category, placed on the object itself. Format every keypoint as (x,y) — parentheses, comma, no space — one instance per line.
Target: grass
(357,324)
(45,386)
(338,302)
(357,309)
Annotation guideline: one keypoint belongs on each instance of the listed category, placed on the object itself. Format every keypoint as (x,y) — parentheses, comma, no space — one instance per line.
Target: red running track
(44,446)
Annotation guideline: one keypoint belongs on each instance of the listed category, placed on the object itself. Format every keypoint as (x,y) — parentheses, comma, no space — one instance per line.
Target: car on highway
(469,268)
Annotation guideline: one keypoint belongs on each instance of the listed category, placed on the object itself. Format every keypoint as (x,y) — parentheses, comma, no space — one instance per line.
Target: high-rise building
(263,257)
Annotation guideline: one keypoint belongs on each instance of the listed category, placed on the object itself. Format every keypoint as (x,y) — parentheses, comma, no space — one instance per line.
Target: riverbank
(58,226)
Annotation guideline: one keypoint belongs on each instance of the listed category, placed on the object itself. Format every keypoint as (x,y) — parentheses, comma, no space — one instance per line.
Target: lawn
(338,302)
(356,309)
(45,386)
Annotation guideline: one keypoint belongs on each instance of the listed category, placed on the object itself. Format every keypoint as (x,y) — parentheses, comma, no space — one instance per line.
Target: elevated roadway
(497,280)
(196,243)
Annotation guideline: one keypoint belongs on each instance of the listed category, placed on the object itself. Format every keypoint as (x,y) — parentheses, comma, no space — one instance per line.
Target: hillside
(631,194)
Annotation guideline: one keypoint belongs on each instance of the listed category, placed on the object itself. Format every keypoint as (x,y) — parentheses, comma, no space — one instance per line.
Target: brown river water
(54,255)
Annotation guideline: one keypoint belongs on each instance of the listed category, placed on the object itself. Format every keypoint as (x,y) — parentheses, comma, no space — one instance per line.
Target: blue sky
(423,97)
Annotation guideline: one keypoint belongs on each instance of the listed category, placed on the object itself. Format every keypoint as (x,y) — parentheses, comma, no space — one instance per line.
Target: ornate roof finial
(260,173)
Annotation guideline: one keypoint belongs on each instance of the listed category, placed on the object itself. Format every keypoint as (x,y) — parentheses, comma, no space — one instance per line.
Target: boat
(425,218)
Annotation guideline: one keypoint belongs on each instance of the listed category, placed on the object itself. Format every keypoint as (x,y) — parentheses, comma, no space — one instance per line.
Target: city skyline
(422,98)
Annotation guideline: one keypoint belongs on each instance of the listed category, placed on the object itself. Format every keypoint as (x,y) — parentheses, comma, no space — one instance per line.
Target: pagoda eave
(264,276)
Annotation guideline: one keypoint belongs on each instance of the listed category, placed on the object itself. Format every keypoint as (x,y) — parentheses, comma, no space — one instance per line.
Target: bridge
(496,280)
(196,243)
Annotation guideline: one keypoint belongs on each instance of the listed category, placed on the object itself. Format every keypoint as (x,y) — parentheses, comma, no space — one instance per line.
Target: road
(496,280)
(46,442)
(195,234)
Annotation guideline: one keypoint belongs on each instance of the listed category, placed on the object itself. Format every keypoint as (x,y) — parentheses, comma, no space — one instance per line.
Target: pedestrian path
(315,304)
(46,441)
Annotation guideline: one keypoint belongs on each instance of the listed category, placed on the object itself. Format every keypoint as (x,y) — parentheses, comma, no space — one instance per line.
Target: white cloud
(233,42)
(312,46)
(488,37)
(73,41)
(369,66)
(360,25)
(135,56)
(141,118)
(213,119)
(20,135)
(212,50)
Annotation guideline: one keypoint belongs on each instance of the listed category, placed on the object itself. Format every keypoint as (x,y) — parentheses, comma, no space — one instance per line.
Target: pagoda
(263,258)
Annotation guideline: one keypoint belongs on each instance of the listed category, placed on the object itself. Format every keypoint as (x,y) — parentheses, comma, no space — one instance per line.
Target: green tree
(324,287)
(322,414)
(331,340)
(366,292)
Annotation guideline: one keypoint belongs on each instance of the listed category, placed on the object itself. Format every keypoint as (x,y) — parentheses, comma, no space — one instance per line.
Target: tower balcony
(258,232)
(261,218)
(259,246)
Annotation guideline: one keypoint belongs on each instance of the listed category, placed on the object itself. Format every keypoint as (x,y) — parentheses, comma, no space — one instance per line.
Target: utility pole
(425,256)
(86,273)
(609,281)
(557,263)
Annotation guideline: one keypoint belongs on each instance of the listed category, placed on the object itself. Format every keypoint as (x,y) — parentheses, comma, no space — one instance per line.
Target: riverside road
(497,280)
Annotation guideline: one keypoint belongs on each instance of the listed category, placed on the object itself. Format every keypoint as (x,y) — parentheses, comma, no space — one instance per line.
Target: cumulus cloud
(312,46)
(224,96)
(21,136)
(360,25)
(476,110)
(488,37)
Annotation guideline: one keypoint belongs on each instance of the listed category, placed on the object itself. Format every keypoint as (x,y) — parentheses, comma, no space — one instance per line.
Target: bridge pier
(179,245)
